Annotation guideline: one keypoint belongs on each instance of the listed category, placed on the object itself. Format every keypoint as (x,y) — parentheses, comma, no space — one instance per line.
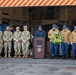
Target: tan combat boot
(5,55)
(0,55)
(9,55)
(19,56)
(15,56)
(23,56)
(26,56)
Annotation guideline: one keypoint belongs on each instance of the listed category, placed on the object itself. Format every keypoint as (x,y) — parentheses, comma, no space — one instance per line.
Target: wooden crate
(16,22)
(16,12)
(6,12)
(45,21)
(63,14)
(25,13)
(72,13)
(0,13)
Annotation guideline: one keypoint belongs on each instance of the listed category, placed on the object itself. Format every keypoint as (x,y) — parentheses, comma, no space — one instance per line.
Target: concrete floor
(20,66)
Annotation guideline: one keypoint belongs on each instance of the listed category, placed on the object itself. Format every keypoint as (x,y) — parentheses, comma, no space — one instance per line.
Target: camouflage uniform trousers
(0,47)
(17,47)
(25,47)
(7,46)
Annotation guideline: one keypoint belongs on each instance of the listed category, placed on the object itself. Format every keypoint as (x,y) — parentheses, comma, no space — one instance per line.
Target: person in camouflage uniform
(7,37)
(17,42)
(1,41)
(25,42)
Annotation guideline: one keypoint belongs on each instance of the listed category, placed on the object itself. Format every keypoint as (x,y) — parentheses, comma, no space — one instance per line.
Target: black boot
(55,57)
(67,57)
(51,57)
(73,58)
(63,57)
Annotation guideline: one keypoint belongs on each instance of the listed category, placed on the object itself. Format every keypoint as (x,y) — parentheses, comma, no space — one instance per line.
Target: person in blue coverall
(40,32)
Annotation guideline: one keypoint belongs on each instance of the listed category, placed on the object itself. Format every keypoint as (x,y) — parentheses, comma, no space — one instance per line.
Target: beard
(53,29)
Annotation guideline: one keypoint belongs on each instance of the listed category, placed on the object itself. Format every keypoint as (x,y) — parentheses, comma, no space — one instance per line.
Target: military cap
(74,27)
(54,26)
(40,26)
(17,27)
(25,26)
(64,26)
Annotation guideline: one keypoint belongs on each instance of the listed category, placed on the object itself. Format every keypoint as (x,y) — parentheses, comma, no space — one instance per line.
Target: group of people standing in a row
(21,40)
(68,38)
